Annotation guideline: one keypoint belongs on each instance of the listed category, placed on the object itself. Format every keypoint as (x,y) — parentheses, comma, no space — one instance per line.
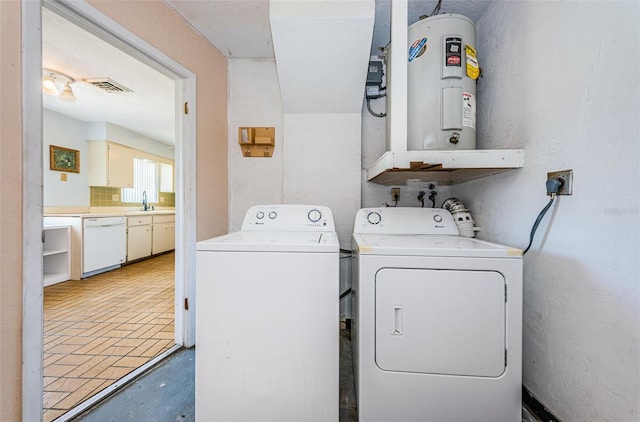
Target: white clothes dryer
(267,318)
(437,320)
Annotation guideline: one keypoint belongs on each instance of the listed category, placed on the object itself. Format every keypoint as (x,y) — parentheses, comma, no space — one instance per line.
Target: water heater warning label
(468,110)
(453,51)
(473,69)
(417,49)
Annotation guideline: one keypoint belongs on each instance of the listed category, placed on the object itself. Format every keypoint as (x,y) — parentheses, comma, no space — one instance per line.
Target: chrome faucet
(144,200)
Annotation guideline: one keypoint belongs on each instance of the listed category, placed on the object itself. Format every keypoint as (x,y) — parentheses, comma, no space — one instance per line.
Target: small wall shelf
(444,167)
(256,141)
(56,255)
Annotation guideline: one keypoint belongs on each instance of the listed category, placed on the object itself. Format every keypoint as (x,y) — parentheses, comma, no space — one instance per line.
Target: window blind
(145,179)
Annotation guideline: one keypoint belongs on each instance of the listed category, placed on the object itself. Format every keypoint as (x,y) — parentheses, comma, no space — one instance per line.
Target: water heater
(441,84)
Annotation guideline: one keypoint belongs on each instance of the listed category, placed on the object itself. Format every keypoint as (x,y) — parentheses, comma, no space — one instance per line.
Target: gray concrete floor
(164,394)
(348,406)
(167,392)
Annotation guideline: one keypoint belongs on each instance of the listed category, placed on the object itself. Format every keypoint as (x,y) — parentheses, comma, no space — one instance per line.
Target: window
(145,179)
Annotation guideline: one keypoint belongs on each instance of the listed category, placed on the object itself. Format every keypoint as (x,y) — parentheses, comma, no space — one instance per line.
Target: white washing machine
(267,318)
(437,324)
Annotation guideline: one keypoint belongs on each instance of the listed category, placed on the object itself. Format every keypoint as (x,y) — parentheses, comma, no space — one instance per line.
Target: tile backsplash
(103,196)
(167,199)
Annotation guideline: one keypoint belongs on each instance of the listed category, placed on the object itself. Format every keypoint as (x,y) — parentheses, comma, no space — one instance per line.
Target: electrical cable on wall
(395,201)
(553,186)
(375,97)
(395,204)
(436,9)
(345,293)
(373,113)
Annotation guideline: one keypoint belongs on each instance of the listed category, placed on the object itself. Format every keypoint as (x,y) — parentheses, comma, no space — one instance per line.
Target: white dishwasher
(104,245)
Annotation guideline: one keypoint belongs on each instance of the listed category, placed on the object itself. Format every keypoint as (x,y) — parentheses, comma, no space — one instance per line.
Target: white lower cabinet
(65,238)
(56,254)
(149,235)
(139,236)
(164,238)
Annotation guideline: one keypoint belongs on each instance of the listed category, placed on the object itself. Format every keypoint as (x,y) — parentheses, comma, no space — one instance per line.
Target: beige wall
(161,27)
(151,20)
(10,212)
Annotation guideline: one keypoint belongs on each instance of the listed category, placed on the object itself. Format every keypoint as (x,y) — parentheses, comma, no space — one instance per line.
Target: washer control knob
(314,215)
(437,218)
(260,215)
(273,215)
(374,218)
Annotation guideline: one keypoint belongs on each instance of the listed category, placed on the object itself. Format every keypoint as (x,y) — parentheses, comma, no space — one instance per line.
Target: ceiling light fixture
(49,85)
(67,94)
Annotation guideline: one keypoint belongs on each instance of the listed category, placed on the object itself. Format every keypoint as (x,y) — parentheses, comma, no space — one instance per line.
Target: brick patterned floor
(99,329)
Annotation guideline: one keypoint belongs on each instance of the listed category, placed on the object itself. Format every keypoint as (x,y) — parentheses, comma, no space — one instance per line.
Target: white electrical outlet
(115,197)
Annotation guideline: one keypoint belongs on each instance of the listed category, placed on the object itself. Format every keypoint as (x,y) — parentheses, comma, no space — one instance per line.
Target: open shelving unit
(56,254)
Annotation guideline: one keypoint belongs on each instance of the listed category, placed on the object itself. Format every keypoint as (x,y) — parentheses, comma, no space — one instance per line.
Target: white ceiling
(238,28)
(472,9)
(148,109)
(241,30)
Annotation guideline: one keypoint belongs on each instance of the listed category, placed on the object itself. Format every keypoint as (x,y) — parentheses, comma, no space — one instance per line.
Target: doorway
(101,328)
(98,23)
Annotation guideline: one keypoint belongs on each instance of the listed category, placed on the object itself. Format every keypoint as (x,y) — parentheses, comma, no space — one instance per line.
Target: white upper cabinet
(110,164)
(166,177)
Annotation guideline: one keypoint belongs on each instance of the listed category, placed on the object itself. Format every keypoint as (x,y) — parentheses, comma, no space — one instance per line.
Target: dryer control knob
(260,215)
(374,218)
(437,218)
(314,215)
(273,215)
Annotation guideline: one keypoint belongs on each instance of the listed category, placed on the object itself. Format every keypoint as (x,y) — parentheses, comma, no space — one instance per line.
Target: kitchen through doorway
(85,359)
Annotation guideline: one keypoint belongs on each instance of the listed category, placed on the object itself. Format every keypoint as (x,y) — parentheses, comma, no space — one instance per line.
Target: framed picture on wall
(64,159)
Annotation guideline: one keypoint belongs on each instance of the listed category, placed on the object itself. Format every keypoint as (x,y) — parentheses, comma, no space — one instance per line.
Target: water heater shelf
(443,167)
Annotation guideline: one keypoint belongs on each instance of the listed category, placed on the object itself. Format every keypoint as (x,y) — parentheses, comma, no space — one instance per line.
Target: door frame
(80,12)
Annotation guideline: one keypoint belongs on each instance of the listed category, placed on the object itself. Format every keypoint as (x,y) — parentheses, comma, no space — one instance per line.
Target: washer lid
(263,241)
(428,245)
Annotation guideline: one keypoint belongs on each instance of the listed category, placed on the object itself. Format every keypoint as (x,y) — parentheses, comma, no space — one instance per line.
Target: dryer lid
(427,245)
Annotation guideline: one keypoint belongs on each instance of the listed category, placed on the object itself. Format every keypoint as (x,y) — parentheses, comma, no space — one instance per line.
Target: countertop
(112,214)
